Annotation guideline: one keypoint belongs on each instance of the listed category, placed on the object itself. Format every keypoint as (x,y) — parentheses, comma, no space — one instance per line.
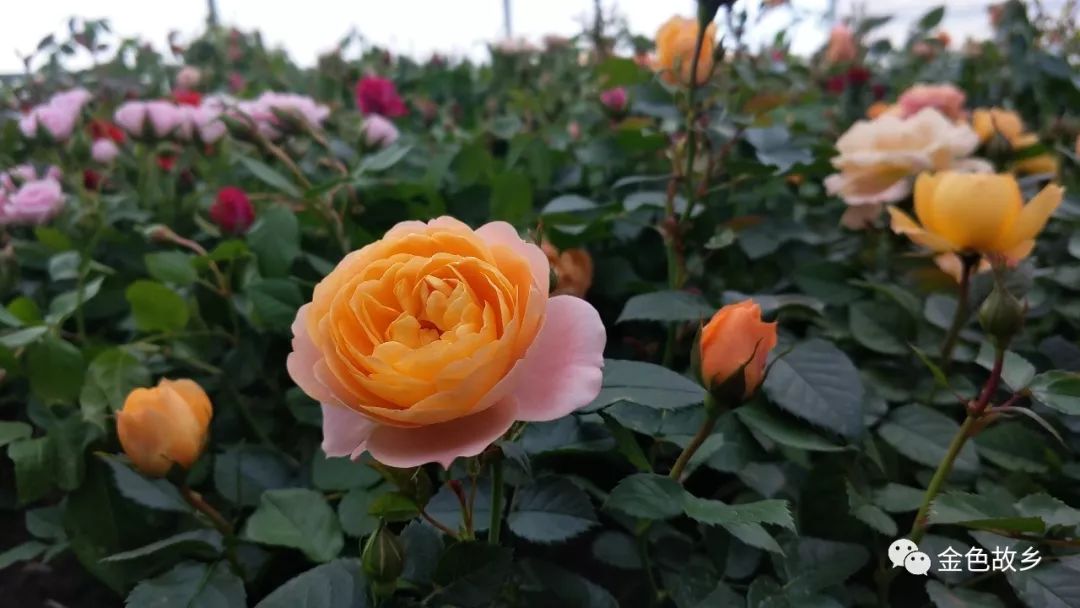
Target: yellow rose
(675,42)
(573,269)
(427,344)
(983,213)
(988,121)
(164,425)
(1042,163)
(736,338)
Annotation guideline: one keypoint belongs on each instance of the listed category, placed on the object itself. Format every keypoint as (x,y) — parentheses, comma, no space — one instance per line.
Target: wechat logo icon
(904,553)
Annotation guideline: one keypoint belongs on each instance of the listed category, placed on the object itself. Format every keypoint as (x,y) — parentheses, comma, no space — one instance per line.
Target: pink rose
(379,131)
(165,117)
(944,98)
(57,117)
(614,99)
(471,343)
(104,151)
(33,203)
(375,95)
(131,116)
(208,124)
(188,77)
(841,48)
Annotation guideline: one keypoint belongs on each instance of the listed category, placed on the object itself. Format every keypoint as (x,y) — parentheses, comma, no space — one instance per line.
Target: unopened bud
(383,557)
(1001,315)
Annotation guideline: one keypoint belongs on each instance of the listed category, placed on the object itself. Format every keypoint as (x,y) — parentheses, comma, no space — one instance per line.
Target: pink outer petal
(345,433)
(304,359)
(441,443)
(562,371)
(501,233)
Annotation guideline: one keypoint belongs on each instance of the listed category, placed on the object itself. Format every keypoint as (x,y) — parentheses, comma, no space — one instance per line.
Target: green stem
(968,265)
(918,527)
(219,522)
(646,563)
(712,414)
(495,526)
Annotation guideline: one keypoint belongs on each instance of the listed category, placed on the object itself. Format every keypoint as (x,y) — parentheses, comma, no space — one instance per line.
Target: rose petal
(442,443)
(561,371)
(345,432)
(302,360)
(501,233)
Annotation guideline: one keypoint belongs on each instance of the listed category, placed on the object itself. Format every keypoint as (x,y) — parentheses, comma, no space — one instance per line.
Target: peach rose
(944,98)
(841,47)
(675,43)
(736,338)
(427,344)
(878,108)
(989,122)
(878,160)
(573,269)
(164,425)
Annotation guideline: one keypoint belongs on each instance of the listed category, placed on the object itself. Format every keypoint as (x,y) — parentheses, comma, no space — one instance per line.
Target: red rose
(836,85)
(376,95)
(91,179)
(166,162)
(185,97)
(232,210)
(858,75)
(103,129)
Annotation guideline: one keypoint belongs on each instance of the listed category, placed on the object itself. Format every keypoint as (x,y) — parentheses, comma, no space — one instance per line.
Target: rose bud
(734,348)
(164,426)
(232,210)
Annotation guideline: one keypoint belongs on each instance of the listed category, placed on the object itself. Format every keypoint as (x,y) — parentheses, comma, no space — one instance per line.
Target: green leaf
(270,176)
(332,474)
(338,584)
(931,19)
(171,267)
(645,384)
(981,513)
(897,498)
(22,337)
(56,370)
(1017,372)
(666,306)
(617,549)
(1051,585)
(719,513)
(353,511)
(814,565)
(1057,390)
(958,597)
(775,147)
(760,419)
(384,159)
(511,197)
(35,467)
(754,535)
(423,545)
(14,431)
(275,240)
(874,327)
(275,302)
(24,552)
(471,574)
(296,518)
(551,509)
(393,506)
(153,493)
(647,496)
(65,304)
(190,585)
(156,307)
(627,443)
(204,542)
(817,382)
(243,472)
(1013,447)
(870,514)
(1051,510)
(559,587)
(110,377)
(924,435)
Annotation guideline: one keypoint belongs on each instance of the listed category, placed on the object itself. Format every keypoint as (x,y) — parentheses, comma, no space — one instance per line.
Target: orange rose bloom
(736,338)
(841,48)
(164,425)
(675,42)
(877,109)
(573,270)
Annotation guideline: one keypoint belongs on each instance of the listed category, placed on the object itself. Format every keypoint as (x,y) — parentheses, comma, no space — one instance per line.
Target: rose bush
(582,325)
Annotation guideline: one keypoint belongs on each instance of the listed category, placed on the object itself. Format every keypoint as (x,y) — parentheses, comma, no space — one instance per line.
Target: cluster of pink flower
(379,101)
(270,112)
(57,117)
(29,197)
(162,118)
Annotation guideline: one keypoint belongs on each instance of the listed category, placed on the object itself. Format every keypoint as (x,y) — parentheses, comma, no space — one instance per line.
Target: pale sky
(420,27)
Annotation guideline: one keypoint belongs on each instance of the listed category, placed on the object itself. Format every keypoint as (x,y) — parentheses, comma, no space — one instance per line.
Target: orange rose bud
(675,43)
(735,346)
(573,270)
(164,425)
